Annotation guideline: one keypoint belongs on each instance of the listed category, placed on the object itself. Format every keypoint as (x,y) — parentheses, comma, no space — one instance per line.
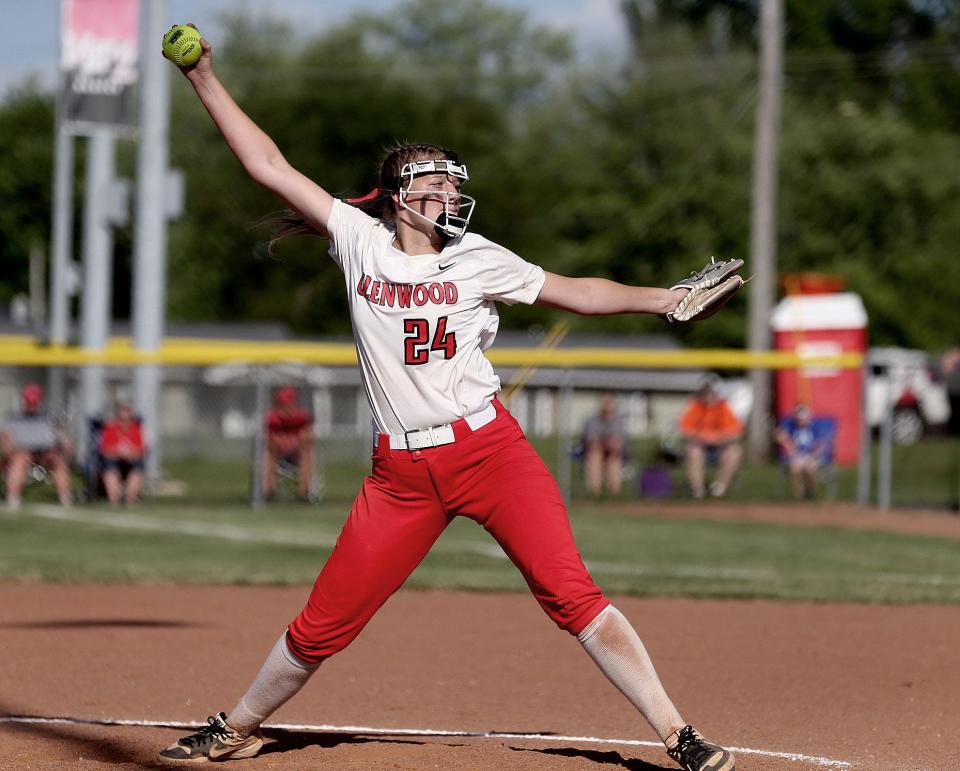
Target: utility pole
(38,283)
(763,223)
(97,77)
(106,206)
(150,227)
(61,261)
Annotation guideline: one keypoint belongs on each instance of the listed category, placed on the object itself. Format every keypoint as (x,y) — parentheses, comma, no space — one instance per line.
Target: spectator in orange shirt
(122,448)
(289,438)
(711,432)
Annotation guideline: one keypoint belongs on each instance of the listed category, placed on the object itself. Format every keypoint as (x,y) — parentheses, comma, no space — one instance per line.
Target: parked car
(910,381)
(917,391)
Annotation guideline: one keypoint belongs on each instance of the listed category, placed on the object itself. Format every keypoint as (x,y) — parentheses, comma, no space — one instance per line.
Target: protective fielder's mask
(457,207)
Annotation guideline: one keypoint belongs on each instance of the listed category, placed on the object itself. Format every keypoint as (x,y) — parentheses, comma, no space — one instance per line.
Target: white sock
(615,647)
(281,677)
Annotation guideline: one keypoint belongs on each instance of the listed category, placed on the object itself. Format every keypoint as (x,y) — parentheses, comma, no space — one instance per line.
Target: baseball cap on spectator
(286,396)
(32,394)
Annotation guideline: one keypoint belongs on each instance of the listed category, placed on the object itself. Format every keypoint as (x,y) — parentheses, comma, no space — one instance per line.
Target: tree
(900,53)
(868,183)
(877,200)
(26,171)
(331,103)
(638,173)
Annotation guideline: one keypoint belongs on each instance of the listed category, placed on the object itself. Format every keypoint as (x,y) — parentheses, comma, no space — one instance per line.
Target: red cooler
(818,325)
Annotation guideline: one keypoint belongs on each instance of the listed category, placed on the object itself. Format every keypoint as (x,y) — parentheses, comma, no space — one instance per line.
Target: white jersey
(421,323)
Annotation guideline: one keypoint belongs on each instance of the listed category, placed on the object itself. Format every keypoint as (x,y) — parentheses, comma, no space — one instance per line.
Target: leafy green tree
(26,171)
(900,53)
(652,170)
(868,179)
(876,200)
(639,172)
(331,103)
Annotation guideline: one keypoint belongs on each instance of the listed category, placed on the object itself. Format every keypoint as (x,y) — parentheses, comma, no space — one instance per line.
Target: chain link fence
(209,430)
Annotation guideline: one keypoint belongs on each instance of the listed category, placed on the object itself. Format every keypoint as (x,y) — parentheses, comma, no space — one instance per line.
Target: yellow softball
(181,45)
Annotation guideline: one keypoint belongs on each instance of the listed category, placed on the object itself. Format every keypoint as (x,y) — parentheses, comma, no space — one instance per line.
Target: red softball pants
(492,476)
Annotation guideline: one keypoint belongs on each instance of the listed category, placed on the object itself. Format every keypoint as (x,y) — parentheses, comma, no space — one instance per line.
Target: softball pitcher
(422,292)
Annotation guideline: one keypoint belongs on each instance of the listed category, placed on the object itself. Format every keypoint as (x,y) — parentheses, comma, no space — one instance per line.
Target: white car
(909,381)
(917,392)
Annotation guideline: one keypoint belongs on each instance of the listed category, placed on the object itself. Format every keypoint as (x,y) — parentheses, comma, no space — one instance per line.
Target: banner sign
(98,65)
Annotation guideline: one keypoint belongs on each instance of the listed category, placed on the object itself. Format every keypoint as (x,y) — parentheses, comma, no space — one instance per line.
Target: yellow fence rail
(22,350)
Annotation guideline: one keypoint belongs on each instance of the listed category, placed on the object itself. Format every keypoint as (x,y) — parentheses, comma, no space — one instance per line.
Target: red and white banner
(98,62)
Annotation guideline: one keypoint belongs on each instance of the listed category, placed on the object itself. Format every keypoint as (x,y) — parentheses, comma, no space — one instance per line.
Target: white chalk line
(428,732)
(146,523)
(137,521)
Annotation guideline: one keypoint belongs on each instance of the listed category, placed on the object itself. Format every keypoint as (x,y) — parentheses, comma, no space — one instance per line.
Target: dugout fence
(215,393)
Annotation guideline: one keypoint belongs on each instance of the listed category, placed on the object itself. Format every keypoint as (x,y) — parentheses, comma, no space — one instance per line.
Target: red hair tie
(373,194)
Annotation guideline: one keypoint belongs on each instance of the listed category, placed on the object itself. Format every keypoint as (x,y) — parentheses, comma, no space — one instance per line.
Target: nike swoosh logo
(442,268)
(217,751)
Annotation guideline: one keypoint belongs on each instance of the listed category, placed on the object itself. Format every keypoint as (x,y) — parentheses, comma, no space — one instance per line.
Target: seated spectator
(122,449)
(32,438)
(604,443)
(805,447)
(289,438)
(711,433)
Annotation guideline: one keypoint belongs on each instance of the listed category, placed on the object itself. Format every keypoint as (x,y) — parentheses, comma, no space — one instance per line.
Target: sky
(31,45)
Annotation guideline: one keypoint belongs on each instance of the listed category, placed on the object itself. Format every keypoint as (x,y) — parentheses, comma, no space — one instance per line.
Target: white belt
(436,436)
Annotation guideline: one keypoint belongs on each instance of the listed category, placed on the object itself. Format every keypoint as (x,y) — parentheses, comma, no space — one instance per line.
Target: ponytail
(377,202)
(289,223)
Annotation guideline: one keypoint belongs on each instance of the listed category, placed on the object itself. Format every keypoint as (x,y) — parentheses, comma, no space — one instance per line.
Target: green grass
(211,535)
(925,475)
(650,555)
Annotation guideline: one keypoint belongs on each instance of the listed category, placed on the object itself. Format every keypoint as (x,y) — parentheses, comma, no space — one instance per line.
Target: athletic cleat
(216,741)
(694,753)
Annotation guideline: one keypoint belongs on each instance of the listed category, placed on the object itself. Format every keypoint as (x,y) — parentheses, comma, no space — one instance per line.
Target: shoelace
(214,729)
(692,746)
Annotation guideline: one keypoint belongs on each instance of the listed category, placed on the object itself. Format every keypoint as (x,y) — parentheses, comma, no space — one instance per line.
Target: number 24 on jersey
(418,343)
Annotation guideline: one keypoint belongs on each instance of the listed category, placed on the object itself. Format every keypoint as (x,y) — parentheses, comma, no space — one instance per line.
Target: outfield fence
(215,392)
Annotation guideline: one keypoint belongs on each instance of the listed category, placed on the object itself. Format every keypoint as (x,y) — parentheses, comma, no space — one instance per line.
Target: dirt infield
(876,687)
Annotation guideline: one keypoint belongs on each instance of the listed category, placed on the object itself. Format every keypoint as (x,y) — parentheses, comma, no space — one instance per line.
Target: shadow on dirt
(607,759)
(290,741)
(75,744)
(102,623)
(121,754)
(287,741)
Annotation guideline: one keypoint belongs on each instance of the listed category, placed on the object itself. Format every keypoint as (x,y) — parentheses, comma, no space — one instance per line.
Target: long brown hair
(377,202)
